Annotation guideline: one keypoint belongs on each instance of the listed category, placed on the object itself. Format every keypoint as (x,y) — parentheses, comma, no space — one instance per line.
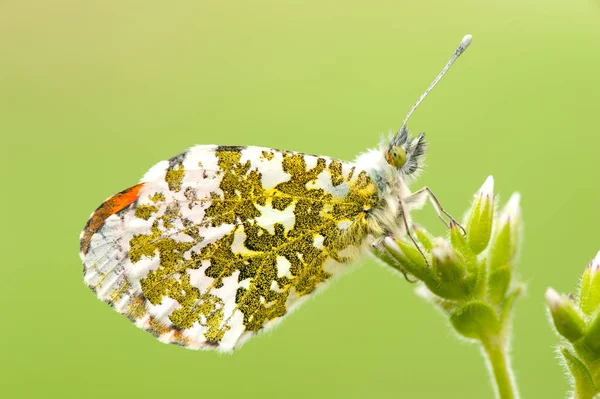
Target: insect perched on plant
(219,243)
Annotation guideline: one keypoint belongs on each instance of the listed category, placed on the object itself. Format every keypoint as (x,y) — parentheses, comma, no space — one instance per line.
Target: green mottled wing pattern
(219,243)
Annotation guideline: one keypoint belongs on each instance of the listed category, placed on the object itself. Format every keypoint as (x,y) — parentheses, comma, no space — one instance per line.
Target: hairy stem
(497,357)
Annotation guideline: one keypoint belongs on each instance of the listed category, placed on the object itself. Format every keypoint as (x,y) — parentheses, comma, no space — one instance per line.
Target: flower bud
(461,246)
(407,256)
(446,264)
(424,237)
(589,295)
(507,238)
(480,217)
(569,322)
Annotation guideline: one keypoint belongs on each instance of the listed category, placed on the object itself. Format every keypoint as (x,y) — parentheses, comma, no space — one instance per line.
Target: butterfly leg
(420,196)
(407,278)
(403,216)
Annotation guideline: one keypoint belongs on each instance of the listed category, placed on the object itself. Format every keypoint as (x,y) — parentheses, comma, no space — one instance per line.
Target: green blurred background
(94,93)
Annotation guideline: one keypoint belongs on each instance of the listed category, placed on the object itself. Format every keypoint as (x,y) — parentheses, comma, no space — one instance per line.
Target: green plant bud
(476,320)
(480,217)
(385,256)
(569,322)
(498,283)
(409,257)
(589,294)
(461,246)
(424,237)
(446,264)
(507,238)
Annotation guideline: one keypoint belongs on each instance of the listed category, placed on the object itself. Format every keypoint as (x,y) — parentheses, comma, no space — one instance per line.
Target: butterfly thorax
(391,185)
(392,166)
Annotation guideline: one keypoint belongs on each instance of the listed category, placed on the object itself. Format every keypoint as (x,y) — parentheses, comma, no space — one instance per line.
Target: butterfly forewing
(219,242)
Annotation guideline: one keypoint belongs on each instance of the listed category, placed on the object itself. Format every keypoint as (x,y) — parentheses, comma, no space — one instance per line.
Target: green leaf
(412,254)
(507,237)
(501,250)
(585,291)
(479,226)
(385,255)
(424,237)
(589,294)
(509,301)
(399,253)
(480,280)
(592,336)
(475,320)
(584,385)
(498,283)
(480,217)
(461,246)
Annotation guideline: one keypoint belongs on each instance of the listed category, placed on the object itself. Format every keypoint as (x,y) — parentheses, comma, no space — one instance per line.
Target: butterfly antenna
(461,49)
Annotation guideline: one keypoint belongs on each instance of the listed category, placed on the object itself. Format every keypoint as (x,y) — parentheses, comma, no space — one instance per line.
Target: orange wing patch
(113,205)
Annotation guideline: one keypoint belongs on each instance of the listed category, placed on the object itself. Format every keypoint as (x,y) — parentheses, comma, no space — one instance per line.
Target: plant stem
(497,357)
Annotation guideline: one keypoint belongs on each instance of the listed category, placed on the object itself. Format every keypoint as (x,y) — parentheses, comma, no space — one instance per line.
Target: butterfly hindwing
(220,242)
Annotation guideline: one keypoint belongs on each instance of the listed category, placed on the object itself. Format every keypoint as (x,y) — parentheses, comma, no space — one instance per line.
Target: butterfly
(221,242)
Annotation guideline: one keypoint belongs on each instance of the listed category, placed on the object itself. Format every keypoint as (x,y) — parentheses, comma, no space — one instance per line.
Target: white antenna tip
(466,41)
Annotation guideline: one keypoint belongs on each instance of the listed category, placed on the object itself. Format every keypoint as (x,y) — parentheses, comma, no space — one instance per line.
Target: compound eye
(397,156)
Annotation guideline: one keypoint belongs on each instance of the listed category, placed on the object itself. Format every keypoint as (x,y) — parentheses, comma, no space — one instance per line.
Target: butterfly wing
(220,242)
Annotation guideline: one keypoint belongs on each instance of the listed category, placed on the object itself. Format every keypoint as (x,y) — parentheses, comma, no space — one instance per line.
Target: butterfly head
(406,153)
